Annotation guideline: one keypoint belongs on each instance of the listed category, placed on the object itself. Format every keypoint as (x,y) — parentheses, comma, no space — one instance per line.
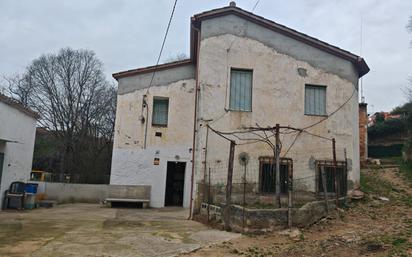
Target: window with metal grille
(240,90)
(315,100)
(330,174)
(267,175)
(160,111)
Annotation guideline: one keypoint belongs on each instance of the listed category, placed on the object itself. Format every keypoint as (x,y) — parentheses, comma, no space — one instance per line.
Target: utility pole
(229,185)
(277,167)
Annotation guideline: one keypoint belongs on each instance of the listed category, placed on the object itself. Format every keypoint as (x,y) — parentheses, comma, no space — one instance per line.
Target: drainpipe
(145,104)
(197,88)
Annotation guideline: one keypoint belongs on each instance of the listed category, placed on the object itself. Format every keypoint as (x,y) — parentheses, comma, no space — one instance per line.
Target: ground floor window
(330,175)
(267,175)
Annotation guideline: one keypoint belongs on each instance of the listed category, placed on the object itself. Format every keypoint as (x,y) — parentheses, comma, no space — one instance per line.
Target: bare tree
(19,87)
(76,103)
(176,57)
(408,90)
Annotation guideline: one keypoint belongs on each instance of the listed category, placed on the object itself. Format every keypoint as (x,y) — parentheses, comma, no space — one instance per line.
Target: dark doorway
(175,182)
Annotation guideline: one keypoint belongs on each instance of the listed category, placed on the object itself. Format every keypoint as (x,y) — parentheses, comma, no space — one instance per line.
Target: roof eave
(362,67)
(149,69)
(357,61)
(18,106)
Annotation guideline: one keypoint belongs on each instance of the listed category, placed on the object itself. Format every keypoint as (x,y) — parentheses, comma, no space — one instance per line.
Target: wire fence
(254,185)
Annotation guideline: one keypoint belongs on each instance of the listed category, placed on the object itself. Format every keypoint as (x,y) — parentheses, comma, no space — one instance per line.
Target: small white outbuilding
(17,135)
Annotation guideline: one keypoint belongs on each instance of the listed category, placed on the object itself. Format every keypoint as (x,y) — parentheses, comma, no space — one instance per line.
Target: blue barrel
(31,188)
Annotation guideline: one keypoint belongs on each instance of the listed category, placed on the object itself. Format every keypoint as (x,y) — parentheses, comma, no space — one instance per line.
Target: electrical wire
(335,111)
(155,68)
(163,44)
(254,7)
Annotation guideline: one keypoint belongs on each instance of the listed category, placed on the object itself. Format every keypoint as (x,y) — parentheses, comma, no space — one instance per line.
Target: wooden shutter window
(240,90)
(160,111)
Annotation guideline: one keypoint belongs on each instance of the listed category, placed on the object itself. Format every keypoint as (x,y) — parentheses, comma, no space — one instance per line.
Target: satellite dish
(243,158)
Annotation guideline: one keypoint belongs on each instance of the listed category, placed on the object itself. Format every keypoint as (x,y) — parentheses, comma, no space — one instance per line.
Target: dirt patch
(370,227)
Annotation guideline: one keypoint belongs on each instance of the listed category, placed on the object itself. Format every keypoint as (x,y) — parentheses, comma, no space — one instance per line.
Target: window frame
(329,163)
(326,100)
(268,160)
(230,108)
(160,98)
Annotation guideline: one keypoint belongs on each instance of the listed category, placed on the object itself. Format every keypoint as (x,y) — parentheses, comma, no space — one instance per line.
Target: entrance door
(1,167)
(175,182)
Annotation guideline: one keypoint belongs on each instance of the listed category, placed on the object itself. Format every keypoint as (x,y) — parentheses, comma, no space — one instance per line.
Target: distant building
(17,134)
(386,116)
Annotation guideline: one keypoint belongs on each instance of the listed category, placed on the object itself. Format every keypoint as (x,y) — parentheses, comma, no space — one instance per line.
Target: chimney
(363,134)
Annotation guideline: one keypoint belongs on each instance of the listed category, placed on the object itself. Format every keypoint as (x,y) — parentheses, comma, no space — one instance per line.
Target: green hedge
(379,151)
(387,128)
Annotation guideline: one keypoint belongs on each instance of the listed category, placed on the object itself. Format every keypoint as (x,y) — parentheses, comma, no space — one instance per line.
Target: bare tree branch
(76,103)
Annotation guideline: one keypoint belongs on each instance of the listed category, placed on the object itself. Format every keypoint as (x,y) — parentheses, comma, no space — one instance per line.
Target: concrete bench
(145,202)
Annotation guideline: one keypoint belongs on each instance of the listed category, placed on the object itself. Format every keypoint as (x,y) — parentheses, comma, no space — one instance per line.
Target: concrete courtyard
(93,230)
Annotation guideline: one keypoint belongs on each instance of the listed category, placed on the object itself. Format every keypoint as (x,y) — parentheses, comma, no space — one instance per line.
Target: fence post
(325,191)
(290,191)
(335,172)
(277,169)
(244,198)
(208,200)
(229,185)
(345,177)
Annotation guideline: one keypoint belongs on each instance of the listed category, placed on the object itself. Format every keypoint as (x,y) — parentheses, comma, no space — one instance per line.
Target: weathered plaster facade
(278,97)
(17,134)
(225,42)
(132,163)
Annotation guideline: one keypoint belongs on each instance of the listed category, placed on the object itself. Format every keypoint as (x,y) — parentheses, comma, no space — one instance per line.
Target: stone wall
(255,220)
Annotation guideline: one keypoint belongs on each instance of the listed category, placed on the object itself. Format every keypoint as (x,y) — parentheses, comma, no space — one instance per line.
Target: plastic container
(31,188)
(29,201)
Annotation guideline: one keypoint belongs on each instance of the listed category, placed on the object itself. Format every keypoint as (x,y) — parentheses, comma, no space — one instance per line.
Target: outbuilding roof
(15,104)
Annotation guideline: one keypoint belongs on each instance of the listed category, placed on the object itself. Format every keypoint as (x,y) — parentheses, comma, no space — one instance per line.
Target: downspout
(194,123)
(145,104)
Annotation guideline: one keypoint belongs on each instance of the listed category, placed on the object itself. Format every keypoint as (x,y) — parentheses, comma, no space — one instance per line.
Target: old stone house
(243,70)
(17,134)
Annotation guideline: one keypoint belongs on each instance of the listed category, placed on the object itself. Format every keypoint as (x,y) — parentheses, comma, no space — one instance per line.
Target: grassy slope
(374,186)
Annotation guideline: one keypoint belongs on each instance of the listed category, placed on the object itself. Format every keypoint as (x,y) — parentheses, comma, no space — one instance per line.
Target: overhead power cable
(163,44)
(332,113)
(254,7)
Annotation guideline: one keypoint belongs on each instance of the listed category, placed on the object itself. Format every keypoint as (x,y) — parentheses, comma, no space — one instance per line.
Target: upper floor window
(315,100)
(240,90)
(160,111)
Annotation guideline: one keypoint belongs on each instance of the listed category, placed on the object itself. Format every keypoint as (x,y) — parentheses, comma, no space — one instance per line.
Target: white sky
(127,34)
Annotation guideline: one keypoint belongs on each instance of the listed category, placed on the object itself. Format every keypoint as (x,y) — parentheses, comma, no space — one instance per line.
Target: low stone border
(262,220)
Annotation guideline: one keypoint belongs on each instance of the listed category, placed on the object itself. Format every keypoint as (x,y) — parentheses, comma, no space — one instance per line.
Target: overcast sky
(127,34)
